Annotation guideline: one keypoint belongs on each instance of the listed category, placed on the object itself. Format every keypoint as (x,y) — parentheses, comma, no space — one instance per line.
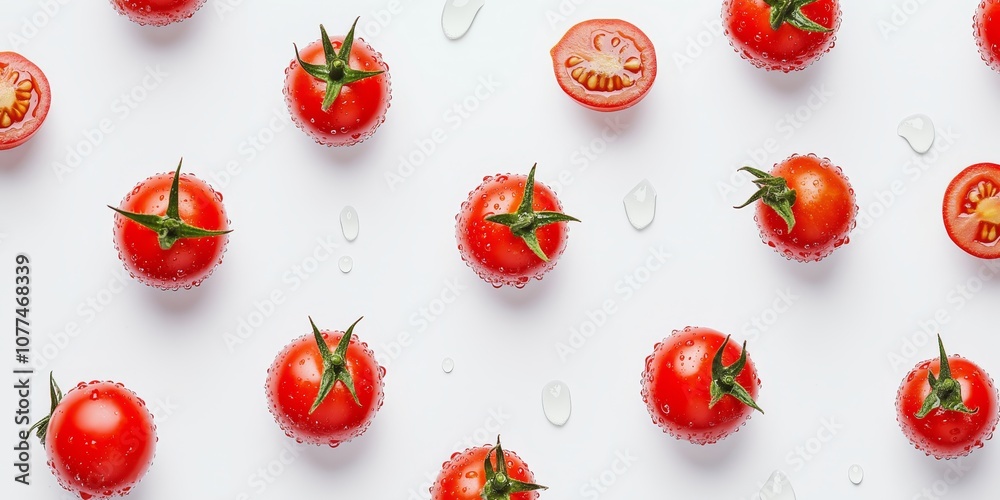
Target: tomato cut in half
(605,64)
(972,210)
(24,99)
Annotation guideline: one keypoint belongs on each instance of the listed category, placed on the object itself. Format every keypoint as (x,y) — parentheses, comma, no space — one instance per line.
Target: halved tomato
(24,99)
(605,64)
(972,210)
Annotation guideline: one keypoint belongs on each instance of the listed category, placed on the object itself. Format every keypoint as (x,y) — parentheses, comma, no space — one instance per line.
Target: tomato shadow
(790,84)
(345,156)
(14,159)
(714,457)
(165,36)
(533,295)
(343,459)
(176,303)
(810,273)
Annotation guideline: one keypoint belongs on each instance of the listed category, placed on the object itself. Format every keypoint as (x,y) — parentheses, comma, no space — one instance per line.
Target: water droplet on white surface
(346,264)
(349,223)
(918,130)
(556,402)
(777,487)
(856,474)
(458,16)
(640,205)
(448,365)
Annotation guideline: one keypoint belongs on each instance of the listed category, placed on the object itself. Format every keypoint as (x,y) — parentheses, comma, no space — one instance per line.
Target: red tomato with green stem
(950,414)
(337,90)
(485,473)
(783,35)
(986,24)
(157,12)
(699,387)
(605,64)
(25,99)
(171,231)
(325,388)
(100,438)
(972,210)
(511,229)
(805,207)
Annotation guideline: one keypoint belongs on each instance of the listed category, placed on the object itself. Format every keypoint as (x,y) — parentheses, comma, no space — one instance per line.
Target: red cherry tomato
(972,210)
(466,476)
(100,439)
(822,207)
(605,64)
(953,416)
(677,385)
(302,369)
(507,239)
(343,102)
(987,30)
(194,239)
(797,40)
(24,99)
(157,12)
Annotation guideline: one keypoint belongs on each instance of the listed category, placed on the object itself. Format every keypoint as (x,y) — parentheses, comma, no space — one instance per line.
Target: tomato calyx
(499,485)
(42,426)
(170,228)
(790,11)
(334,365)
(724,379)
(525,221)
(775,193)
(946,392)
(337,71)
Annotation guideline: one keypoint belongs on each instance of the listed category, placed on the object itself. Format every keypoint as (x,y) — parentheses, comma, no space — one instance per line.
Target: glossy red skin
(157,12)
(38,109)
(463,476)
(987,30)
(293,383)
(359,110)
(962,229)
(824,213)
(676,389)
(578,39)
(101,440)
(491,249)
(190,260)
(947,434)
(787,49)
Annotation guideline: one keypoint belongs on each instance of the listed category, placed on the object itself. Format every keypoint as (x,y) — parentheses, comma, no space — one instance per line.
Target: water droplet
(349,223)
(856,474)
(556,402)
(777,487)
(346,264)
(640,205)
(448,365)
(458,16)
(918,130)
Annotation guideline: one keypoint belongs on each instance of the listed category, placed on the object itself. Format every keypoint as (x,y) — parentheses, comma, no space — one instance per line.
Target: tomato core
(15,97)
(615,64)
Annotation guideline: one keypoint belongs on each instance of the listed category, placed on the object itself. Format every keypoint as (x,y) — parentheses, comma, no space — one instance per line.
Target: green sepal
(790,11)
(724,379)
(499,485)
(337,71)
(774,192)
(946,392)
(334,365)
(42,426)
(526,221)
(170,228)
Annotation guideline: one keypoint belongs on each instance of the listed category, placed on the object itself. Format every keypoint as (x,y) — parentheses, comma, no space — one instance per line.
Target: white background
(829,357)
